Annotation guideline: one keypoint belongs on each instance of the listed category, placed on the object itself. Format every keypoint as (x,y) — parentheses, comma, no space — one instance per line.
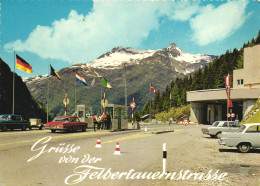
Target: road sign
(228,115)
(233,115)
(133,105)
(185,122)
(66,102)
(102,102)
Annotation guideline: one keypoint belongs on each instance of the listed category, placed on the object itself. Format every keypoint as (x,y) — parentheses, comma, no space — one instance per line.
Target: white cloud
(183,10)
(214,24)
(81,38)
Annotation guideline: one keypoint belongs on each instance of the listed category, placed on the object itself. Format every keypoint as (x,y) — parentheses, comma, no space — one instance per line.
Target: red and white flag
(152,89)
(228,80)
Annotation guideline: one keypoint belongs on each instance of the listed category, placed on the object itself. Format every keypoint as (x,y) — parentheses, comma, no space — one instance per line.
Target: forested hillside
(210,77)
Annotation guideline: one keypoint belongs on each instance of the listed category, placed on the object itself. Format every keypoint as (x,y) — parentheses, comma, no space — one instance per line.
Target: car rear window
(3,117)
(61,119)
(253,129)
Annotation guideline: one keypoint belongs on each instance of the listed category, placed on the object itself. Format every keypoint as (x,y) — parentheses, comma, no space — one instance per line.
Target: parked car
(220,126)
(36,123)
(66,123)
(13,121)
(246,138)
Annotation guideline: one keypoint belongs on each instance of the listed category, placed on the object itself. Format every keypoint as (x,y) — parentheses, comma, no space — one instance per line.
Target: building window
(240,81)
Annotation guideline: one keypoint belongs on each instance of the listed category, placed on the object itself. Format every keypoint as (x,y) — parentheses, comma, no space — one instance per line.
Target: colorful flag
(228,80)
(106,84)
(152,89)
(54,73)
(23,65)
(80,79)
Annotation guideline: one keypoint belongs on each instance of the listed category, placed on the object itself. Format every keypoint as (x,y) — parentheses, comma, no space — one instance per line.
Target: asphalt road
(37,157)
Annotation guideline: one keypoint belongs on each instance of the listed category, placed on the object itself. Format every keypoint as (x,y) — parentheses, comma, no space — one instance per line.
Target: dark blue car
(13,121)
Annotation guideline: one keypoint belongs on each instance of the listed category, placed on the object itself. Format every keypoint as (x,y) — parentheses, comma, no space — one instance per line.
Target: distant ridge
(142,66)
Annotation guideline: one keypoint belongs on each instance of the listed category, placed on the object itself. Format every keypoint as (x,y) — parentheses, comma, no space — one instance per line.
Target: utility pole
(125,85)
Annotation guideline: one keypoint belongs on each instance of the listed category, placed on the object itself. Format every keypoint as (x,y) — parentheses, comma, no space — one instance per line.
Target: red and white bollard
(164,158)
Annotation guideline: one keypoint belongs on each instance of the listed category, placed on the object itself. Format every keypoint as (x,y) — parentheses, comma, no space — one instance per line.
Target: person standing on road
(103,121)
(99,119)
(95,122)
(108,120)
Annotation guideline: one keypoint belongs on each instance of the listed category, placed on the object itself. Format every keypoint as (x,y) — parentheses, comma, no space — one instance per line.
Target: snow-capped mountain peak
(173,47)
(194,58)
(35,78)
(120,55)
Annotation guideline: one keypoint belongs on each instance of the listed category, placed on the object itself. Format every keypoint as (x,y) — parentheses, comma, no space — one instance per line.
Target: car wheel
(244,147)
(4,128)
(69,129)
(23,127)
(30,128)
(218,135)
(53,130)
(40,128)
(213,136)
(84,129)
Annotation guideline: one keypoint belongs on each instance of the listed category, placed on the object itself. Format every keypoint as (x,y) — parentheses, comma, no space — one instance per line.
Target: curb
(120,130)
(162,132)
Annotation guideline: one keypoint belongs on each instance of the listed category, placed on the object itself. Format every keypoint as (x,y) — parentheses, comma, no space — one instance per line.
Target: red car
(66,123)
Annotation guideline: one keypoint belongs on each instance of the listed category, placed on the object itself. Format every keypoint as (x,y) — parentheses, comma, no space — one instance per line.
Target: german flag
(54,73)
(23,65)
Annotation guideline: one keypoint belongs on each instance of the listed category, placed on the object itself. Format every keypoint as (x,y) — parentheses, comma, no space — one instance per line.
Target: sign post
(185,122)
(104,102)
(66,101)
(133,105)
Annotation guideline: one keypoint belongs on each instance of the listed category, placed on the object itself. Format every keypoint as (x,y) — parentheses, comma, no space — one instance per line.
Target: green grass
(253,115)
(255,118)
(176,113)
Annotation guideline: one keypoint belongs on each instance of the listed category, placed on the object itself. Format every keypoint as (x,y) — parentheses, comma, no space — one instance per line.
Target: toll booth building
(210,105)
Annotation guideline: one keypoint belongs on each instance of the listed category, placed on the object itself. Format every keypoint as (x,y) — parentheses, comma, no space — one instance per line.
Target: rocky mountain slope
(140,66)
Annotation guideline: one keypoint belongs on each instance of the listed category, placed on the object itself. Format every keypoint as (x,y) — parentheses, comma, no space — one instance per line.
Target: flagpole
(66,103)
(48,92)
(133,110)
(101,95)
(170,104)
(75,96)
(227,95)
(13,84)
(150,103)
(125,86)
(227,109)
(104,100)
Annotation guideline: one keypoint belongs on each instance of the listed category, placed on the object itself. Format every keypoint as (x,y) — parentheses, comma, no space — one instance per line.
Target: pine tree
(197,83)
(205,77)
(258,38)
(211,77)
(175,95)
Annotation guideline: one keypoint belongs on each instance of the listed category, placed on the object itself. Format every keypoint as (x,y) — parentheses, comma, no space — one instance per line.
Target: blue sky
(66,32)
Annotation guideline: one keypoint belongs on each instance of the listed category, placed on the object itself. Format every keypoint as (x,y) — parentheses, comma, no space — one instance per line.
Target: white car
(247,137)
(220,126)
